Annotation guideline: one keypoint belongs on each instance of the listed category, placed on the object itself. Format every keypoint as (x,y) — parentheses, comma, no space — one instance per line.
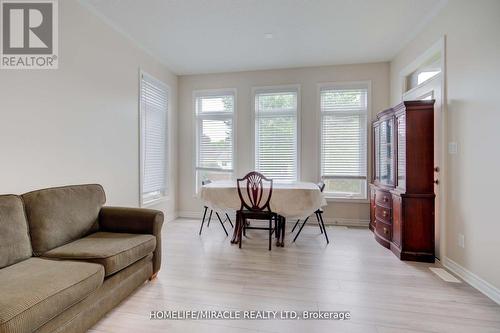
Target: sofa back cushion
(57,216)
(15,243)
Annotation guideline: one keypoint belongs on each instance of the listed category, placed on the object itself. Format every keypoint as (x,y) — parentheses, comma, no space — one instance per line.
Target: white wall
(472,119)
(308,78)
(79,123)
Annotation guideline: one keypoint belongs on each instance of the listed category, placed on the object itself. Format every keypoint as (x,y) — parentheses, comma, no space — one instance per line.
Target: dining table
(289,200)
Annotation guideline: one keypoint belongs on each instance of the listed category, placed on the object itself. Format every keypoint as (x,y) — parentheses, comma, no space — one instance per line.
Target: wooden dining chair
(255,198)
(319,217)
(206,182)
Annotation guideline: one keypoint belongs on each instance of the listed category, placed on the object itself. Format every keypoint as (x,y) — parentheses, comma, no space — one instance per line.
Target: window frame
(346,85)
(277,89)
(146,201)
(196,130)
(432,63)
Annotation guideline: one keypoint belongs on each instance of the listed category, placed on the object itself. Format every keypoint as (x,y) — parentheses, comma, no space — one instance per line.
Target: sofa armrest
(134,221)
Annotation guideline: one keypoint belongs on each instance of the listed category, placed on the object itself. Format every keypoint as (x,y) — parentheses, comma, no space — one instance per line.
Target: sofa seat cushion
(34,291)
(114,251)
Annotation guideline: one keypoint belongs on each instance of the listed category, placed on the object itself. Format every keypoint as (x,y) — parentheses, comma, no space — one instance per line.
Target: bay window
(277,132)
(214,112)
(344,128)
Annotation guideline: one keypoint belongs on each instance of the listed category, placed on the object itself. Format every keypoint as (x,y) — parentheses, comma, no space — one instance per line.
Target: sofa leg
(153,276)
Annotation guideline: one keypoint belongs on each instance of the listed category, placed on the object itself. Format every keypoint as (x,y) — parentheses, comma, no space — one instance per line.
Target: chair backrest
(256,195)
(205,182)
(321,186)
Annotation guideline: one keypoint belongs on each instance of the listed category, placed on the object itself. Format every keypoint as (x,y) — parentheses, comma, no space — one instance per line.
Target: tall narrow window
(153,145)
(344,110)
(214,135)
(276,132)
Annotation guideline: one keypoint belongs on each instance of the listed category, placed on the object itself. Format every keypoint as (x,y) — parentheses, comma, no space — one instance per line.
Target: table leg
(278,230)
(237,225)
(242,227)
(283,224)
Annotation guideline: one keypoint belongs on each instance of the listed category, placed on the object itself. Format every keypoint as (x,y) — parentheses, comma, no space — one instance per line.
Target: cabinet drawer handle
(386,231)
(386,199)
(384,214)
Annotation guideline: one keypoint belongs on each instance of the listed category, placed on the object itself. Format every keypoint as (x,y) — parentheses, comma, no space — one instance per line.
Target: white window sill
(347,200)
(154,202)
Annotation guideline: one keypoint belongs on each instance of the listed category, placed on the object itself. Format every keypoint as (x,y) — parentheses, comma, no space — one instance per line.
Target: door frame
(439,46)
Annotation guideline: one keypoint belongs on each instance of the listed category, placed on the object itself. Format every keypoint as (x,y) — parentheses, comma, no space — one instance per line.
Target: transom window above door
(425,72)
(214,113)
(276,114)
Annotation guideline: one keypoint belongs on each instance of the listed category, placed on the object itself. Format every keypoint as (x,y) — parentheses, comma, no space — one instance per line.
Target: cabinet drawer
(384,230)
(383,198)
(384,214)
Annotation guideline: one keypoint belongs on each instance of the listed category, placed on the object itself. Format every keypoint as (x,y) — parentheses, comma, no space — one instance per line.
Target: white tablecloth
(291,200)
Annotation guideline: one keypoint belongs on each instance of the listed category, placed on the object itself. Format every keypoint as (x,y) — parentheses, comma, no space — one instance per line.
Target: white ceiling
(208,36)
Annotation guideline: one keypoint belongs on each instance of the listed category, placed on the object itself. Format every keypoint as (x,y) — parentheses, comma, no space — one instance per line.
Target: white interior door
(432,89)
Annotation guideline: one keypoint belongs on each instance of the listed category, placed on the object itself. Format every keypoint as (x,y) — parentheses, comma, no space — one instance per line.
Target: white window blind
(214,135)
(153,115)
(276,133)
(344,129)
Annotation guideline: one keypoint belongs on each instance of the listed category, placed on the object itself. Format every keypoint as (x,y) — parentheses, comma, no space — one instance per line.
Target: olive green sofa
(66,260)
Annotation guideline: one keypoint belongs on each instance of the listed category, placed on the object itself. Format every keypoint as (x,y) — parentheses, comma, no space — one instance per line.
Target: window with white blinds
(153,147)
(214,135)
(344,127)
(276,132)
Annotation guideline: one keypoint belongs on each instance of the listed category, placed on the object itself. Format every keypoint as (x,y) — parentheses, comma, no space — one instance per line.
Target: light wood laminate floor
(353,273)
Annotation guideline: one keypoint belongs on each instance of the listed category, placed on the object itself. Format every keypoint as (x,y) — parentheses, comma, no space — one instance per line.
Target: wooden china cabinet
(402,188)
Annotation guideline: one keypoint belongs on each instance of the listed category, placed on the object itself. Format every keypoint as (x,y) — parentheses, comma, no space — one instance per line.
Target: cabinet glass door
(376,135)
(385,166)
(401,128)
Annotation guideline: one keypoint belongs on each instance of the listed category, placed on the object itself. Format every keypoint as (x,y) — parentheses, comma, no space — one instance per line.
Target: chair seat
(114,251)
(248,214)
(34,291)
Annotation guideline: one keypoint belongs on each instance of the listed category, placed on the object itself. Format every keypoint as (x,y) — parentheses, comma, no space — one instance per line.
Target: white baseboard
(475,281)
(171,217)
(189,215)
(328,221)
(346,222)
(198,215)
